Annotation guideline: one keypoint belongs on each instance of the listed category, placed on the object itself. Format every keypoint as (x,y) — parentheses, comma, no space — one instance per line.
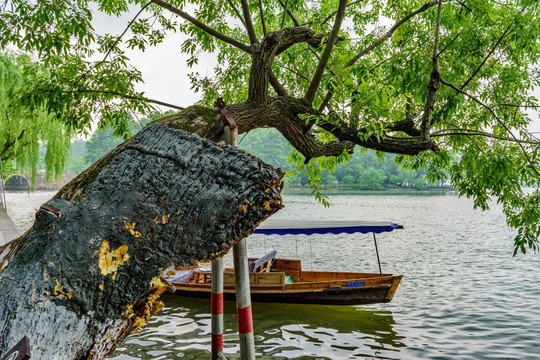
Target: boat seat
(202,274)
(173,276)
(263,264)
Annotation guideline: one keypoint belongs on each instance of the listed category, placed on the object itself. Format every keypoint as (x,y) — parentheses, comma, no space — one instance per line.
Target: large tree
(423,79)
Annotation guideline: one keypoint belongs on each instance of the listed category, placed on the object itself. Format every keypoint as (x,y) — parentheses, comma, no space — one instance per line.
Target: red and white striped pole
(217,310)
(243,301)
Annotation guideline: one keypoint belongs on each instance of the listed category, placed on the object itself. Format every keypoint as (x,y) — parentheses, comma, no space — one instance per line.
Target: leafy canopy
(23,129)
(423,79)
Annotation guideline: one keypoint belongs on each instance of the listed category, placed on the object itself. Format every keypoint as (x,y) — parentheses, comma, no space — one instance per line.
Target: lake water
(463,295)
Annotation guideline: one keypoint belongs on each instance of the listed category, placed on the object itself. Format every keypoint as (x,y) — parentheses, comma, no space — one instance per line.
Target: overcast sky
(165,72)
(163,66)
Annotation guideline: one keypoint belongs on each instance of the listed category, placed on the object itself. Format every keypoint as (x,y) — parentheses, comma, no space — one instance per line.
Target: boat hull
(286,282)
(308,293)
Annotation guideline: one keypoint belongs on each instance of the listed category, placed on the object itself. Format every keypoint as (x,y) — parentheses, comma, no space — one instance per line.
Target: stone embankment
(20,182)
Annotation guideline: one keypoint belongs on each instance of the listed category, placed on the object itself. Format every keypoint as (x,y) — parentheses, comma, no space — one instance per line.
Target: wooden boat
(284,281)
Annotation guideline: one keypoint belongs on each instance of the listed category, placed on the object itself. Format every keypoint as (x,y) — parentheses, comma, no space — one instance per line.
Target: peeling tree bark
(87,273)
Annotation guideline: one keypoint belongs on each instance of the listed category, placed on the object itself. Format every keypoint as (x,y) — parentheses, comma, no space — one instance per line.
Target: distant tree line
(86,152)
(365,170)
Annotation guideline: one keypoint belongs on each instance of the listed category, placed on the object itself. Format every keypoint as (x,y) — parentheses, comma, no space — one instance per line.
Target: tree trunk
(87,273)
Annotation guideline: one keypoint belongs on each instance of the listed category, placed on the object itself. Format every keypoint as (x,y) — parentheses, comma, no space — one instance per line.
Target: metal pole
(217,309)
(311,251)
(377,251)
(243,301)
(241,269)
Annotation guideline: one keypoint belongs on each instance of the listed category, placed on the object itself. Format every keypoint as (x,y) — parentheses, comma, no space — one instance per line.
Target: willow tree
(23,129)
(423,79)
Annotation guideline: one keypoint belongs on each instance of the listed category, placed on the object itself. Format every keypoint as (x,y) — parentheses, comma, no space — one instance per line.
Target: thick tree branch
(261,67)
(229,40)
(263,56)
(317,77)
(406,126)
(249,22)
(307,144)
(341,130)
(299,34)
(284,113)
(406,146)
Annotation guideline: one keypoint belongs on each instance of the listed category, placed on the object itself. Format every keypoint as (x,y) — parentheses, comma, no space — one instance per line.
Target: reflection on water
(283,331)
(463,296)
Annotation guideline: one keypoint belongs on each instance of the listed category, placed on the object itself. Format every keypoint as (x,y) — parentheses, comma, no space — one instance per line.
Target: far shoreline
(324,191)
(346,191)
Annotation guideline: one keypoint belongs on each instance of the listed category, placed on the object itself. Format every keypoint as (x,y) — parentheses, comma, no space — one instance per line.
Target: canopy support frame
(377,251)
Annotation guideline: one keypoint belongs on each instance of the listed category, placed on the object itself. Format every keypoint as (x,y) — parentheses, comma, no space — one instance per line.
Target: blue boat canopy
(309,227)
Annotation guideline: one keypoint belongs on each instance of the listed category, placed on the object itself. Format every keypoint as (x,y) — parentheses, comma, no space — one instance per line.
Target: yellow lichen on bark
(150,306)
(60,293)
(163,220)
(109,261)
(131,228)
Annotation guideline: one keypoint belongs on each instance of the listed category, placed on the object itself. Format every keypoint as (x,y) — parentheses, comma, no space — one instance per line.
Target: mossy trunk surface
(88,272)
